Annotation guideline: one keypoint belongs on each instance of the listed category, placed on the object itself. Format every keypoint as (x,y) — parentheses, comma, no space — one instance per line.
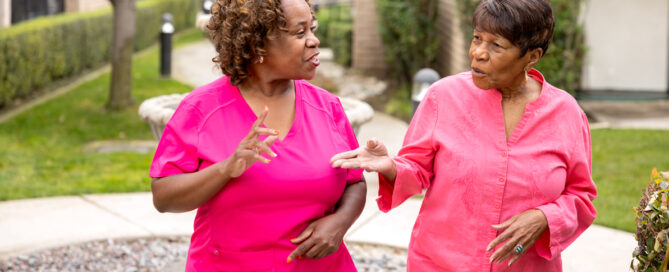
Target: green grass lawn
(622,162)
(42,148)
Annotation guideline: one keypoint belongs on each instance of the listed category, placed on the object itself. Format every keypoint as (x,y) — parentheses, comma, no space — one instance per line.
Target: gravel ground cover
(155,254)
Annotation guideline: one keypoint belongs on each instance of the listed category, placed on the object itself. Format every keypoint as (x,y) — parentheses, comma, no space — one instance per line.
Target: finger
(258,123)
(299,251)
(344,155)
(265,149)
(505,251)
(269,141)
(499,239)
(505,224)
(315,251)
(372,143)
(339,162)
(248,154)
(515,258)
(266,131)
(261,159)
(508,252)
(351,164)
(303,236)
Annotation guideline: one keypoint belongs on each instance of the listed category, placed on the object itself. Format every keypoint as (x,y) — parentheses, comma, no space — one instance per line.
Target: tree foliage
(408,30)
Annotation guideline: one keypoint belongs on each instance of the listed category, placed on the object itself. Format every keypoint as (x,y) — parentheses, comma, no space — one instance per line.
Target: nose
(478,53)
(313,41)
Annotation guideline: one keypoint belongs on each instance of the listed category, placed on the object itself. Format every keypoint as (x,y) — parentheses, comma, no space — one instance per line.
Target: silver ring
(519,248)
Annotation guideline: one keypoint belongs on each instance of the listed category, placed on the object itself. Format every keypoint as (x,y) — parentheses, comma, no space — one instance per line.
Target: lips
(314,59)
(477,72)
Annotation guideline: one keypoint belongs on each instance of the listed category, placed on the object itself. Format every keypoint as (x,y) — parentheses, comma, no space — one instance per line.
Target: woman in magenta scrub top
(250,151)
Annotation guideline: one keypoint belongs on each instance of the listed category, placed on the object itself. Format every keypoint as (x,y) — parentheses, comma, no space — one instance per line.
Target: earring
(261,59)
(526,77)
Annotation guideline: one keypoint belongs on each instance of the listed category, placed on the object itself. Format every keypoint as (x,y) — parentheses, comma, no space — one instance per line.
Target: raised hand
(520,233)
(372,157)
(250,149)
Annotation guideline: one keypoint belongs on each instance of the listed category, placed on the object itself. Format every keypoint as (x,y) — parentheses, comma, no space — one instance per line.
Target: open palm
(372,157)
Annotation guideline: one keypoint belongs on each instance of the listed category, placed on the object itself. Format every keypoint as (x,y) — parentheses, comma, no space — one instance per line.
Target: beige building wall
(5,13)
(368,54)
(85,5)
(627,45)
(452,52)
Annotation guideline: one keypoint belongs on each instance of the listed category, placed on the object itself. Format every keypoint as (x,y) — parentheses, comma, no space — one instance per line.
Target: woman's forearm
(352,203)
(186,192)
(390,173)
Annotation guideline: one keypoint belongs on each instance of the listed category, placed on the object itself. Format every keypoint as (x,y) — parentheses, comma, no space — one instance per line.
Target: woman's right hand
(373,157)
(250,149)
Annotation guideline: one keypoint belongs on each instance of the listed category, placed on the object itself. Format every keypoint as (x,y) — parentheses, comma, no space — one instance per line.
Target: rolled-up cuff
(406,184)
(547,247)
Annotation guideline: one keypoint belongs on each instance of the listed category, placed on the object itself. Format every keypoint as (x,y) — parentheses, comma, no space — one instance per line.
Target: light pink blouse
(456,148)
(248,225)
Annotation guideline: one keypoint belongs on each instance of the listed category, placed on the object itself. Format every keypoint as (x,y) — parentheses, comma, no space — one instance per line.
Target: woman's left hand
(522,231)
(321,238)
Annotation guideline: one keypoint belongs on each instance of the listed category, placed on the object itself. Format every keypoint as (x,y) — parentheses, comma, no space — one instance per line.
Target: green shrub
(408,30)
(40,51)
(335,30)
(562,64)
(652,226)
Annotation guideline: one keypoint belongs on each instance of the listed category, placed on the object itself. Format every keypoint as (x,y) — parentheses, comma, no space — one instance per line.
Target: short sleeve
(177,150)
(344,127)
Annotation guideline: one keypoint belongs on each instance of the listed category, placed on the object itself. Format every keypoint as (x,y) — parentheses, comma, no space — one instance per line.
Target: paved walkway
(33,224)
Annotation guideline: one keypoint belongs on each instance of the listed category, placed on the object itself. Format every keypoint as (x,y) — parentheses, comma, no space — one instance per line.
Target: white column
(5,13)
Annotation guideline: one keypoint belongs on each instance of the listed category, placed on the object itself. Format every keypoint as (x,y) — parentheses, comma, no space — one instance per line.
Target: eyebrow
(313,18)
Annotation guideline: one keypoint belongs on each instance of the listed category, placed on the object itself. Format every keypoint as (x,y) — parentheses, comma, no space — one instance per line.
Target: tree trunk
(124,35)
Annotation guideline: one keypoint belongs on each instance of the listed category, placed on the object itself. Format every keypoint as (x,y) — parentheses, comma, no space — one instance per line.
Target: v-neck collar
(296,120)
(527,113)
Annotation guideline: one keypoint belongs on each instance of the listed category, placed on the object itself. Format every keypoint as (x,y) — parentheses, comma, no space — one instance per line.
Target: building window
(28,9)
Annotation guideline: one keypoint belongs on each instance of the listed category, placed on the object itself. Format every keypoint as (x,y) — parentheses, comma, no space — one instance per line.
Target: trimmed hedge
(41,51)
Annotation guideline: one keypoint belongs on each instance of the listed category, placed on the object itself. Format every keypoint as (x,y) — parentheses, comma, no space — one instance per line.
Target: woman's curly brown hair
(239,29)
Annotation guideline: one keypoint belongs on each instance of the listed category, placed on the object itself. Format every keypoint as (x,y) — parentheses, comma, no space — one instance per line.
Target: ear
(534,55)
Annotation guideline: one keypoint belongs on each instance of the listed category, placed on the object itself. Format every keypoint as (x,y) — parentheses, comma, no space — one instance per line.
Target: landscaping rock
(166,254)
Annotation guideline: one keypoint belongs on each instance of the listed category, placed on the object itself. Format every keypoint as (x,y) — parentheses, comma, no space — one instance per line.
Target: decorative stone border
(158,110)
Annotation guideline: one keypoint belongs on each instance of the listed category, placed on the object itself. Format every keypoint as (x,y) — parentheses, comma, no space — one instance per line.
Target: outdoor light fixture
(166,32)
(206,6)
(421,82)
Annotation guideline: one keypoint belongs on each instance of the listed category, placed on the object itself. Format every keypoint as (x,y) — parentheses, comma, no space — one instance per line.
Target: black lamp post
(166,32)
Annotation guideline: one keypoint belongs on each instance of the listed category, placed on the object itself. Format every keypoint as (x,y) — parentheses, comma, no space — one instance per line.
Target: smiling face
(294,54)
(496,62)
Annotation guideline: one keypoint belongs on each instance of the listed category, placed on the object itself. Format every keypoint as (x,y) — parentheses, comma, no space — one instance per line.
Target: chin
(482,84)
(309,76)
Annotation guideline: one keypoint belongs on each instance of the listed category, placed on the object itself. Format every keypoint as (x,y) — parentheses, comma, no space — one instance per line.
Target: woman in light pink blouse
(505,157)
(250,151)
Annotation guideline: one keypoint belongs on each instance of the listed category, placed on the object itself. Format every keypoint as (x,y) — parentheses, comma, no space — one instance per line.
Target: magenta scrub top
(247,226)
